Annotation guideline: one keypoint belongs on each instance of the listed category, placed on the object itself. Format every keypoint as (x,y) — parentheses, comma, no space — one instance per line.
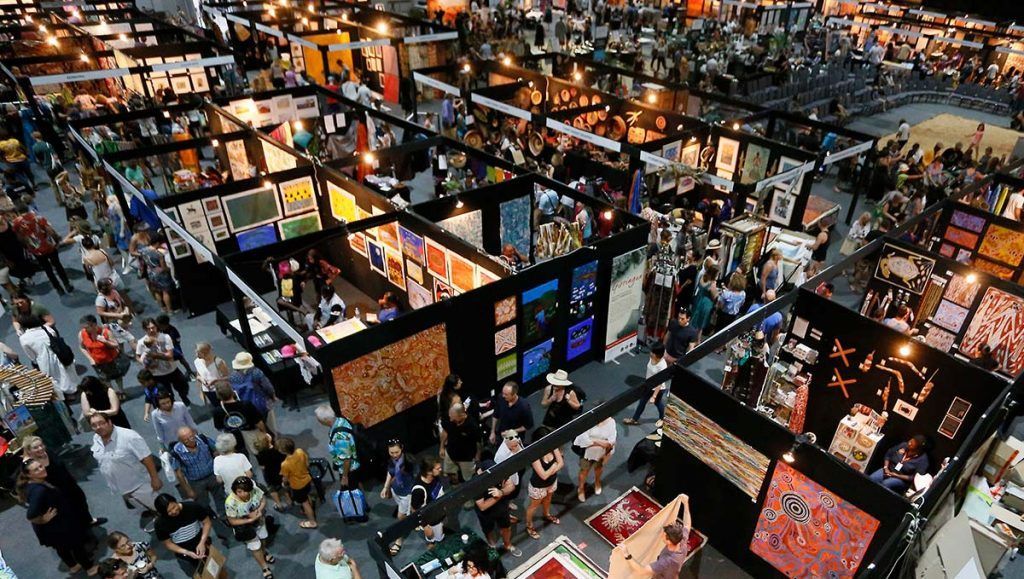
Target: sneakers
(514,551)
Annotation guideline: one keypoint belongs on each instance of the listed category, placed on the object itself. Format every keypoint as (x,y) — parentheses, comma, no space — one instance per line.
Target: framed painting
(413,271)
(949,316)
(412,245)
(1003,244)
(395,268)
(343,203)
(252,208)
(357,241)
(997,269)
(961,237)
(437,259)
(292,227)
(504,311)
(690,155)
(442,291)
(419,296)
(463,272)
(388,235)
(755,163)
(904,269)
(967,221)
(375,252)
(540,307)
(257,237)
(484,276)
(999,323)
(728,154)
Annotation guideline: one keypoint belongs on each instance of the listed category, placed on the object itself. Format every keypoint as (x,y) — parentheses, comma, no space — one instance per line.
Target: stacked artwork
(804,530)
(975,239)
(397,377)
(737,461)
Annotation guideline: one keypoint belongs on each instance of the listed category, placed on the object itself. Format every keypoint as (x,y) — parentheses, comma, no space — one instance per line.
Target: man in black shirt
(679,337)
(492,510)
(460,443)
(184,527)
(510,412)
(237,417)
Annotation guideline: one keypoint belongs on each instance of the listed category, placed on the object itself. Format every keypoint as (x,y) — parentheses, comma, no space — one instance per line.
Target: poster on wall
(580,339)
(755,164)
(437,259)
(584,286)
(999,323)
(624,296)
(343,203)
(298,195)
(395,267)
(737,462)
(277,159)
(515,223)
(394,378)
(238,159)
(904,269)
(806,530)
(412,245)
(537,360)
(781,211)
(299,225)
(252,208)
(419,296)
(463,272)
(540,307)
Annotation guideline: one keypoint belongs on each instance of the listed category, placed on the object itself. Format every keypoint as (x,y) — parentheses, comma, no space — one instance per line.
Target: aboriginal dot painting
(806,531)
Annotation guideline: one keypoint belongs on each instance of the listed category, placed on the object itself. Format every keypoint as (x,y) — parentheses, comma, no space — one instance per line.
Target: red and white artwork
(998,322)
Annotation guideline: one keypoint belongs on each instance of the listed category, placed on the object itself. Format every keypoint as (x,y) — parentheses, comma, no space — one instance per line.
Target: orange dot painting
(395,378)
(1003,245)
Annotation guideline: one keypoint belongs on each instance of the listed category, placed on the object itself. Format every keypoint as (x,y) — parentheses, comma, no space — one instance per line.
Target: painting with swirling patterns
(967,221)
(999,323)
(996,269)
(1003,245)
(515,223)
(397,377)
(804,530)
(960,291)
(961,237)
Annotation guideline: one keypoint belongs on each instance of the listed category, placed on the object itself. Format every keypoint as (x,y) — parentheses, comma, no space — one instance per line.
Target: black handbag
(244,533)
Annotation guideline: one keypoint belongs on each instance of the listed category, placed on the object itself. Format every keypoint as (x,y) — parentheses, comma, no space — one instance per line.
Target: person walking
(656,363)
(333,563)
(211,371)
(295,473)
(398,484)
(99,398)
(341,445)
(192,457)
(41,345)
(155,352)
(125,462)
(511,412)
(103,351)
(54,519)
(460,443)
(41,242)
(168,417)
(237,418)
(252,386)
(229,464)
(246,510)
(427,488)
(492,511)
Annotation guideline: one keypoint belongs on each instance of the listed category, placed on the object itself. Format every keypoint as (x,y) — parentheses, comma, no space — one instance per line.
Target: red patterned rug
(626,514)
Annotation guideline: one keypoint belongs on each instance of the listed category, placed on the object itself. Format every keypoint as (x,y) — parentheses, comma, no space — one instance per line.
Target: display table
(388,187)
(283,373)
(447,551)
(341,330)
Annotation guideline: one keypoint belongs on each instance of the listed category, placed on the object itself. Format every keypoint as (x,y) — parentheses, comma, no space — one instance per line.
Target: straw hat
(242,361)
(559,378)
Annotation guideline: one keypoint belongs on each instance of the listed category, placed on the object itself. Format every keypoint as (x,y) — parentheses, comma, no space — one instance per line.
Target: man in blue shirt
(510,412)
(902,462)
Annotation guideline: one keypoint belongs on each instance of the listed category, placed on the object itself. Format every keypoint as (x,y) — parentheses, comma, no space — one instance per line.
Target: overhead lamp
(369,158)
(458,203)
(905,350)
(344,16)
(271,12)
(215,143)
(530,84)
(122,37)
(267,184)
(167,114)
(84,58)
(382,27)
(52,41)
(28,18)
(971,278)
(305,20)
(801,439)
(297,125)
(735,126)
(42,28)
(577,76)
(311,8)
(466,67)
(607,214)
(652,98)
(507,61)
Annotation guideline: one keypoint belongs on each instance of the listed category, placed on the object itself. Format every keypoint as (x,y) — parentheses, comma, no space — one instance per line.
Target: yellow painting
(343,203)
(298,195)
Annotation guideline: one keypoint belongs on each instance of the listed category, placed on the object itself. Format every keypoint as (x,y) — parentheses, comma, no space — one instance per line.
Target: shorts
(438,532)
(5,275)
(538,494)
(465,469)
(261,535)
(144,496)
(300,496)
(586,464)
(404,504)
(489,522)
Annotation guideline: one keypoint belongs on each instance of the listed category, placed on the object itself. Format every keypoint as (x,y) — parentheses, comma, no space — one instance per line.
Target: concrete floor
(294,547)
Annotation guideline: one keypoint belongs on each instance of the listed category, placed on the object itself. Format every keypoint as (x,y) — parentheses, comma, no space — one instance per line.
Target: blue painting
(579,338)
(537,360)
(257,237)
(468,227)
(540,306)
(584,286)
(412,245)
(375,253)
(515,224)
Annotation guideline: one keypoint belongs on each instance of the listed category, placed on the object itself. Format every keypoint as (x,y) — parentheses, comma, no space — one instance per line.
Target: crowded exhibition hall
(525,289)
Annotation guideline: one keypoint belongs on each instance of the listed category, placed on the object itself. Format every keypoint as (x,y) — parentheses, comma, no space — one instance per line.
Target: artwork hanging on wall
(961,237)
(967,221)
(375,252)
(419,296)
(387,234)
(257,237)
(950,316)
(931,298)
(755,164)
(437,259)
(537,360)
(947,250)
(292,227)
(505,340)
(624,296)
(238,159)
(298,195)
(960,291)
(904,269)
(395,268)
(277,159)
(805,530)
(737,462)
(998,322)
(515,223)
(584,286)
(414,271)
(442,291)
(540,306)
(580,339)
(394,378)
(781,211)
(412,245)
(485,276)
(467,226)
(939,339)
(343,203)
(1003,245)
(504,311)
(507,366)
(728,154)
(690,155)
(998,270)
(358,243)
(463,272)
(252,208)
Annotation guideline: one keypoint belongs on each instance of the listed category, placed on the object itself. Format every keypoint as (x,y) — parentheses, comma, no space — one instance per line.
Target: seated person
(513,257)
(389,307)
(902,462)
(330,311)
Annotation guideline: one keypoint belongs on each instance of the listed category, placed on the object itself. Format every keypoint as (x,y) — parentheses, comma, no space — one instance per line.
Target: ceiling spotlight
(971,278)
(382,27)
(369,158)
(790,455)
(305,21)
(801,439)
(311,8)
(466,67)
(52,41)
(267,184)
(530,84)
(297,125)
(344,17)
(122,37)
(652,98)
(607,214)
(215,143)
(271,12)
(735,126)
(167,115)
(577,76)
(507,61)
(458,204)
(42,28)
(905,350)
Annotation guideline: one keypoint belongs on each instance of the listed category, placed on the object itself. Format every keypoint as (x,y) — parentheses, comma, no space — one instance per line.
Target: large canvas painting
(960,291)
(967,221)
(540,306)
(299,225)
(467,226)
(996,269)
(1003,245)
(961,237)
(624,298)
(998,322)
(950,316)
(252,208)
(904,269)
(463,272)
(804,530)
(343,203)
(397,377)
(437,260)
(737,461)
(515,223)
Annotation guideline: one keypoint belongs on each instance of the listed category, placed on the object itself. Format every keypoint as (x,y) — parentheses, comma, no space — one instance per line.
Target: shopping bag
(351,505)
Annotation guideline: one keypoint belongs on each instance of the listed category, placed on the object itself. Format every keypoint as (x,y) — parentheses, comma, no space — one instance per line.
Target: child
(295,472)
(150,392)
(163,321)
(655,364)
(269,459)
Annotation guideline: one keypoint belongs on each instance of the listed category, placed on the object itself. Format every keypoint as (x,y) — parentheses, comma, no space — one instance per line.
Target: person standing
(125,462)
(246,515)
(193,459)
(229,464)
(58,475)
(211,371)
(252,386)
(598,444)
(184,527)
(295,473)
(511,412)
(53,518)
(41,242)
(341,444)
(154,258)
(237,418)
(398,484)
(103,351)
(656,363)
(492,510)
(561,400)
(819,248)
(333,563)
(169,417)
(427,488)
(99,398)
(48,159)
(902,134)
(38,342)
(680,337)
(138,556)
(155,352)
(542,484)
(460,443)
(670,561)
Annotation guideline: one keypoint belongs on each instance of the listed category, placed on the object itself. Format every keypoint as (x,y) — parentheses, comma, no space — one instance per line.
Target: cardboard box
(213,566)
(1002,455)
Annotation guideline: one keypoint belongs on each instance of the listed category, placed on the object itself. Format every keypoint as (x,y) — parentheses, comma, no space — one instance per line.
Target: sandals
(269,558)
(630,422)
(267,573)
(532,533)
(552,519)
(308,525)
(395,549)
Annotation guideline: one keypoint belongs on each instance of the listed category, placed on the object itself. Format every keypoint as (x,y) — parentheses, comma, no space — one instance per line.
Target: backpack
(247,392)
(59,347)
(366,453)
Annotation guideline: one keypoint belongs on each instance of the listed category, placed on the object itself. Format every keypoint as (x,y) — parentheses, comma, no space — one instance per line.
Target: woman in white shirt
(36,342)
(598,444)
(211,370)
(228,464)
